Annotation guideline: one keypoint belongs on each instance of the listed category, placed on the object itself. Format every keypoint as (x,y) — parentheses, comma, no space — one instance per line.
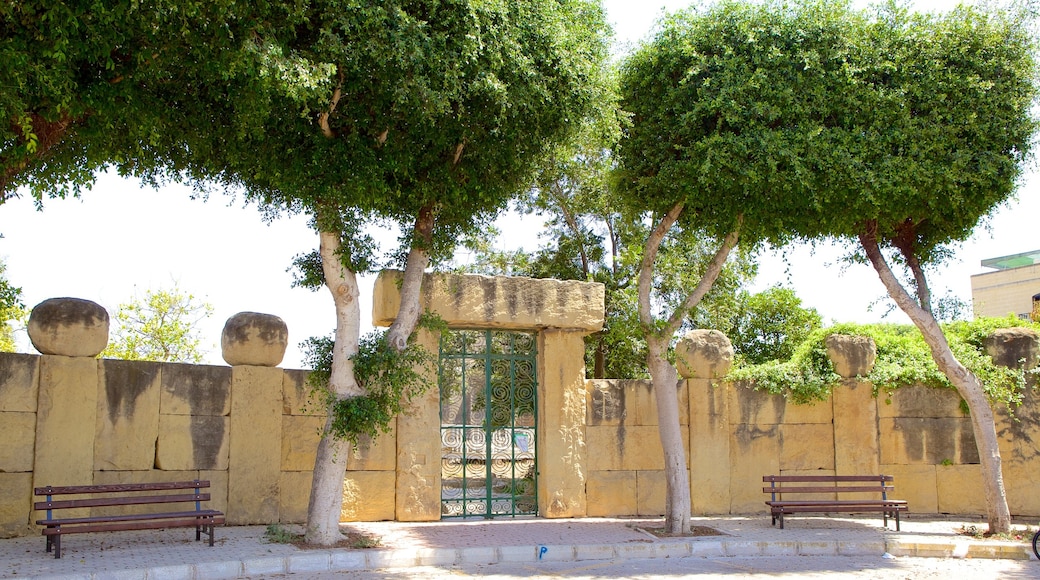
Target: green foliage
(13,313)
(163,326)
(389,378)
(769,325)
(903,359)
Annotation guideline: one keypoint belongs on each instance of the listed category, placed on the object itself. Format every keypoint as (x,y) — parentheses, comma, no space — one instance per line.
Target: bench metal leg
(57,545)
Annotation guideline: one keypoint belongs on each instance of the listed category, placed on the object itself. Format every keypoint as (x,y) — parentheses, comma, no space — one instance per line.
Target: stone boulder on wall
(255,339)
(69,327)
(703,354)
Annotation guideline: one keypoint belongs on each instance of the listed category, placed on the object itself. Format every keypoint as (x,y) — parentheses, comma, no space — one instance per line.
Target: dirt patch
(350,541)
(979,533)
(695,532)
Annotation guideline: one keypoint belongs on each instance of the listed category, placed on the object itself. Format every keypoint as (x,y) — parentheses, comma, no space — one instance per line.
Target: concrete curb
(376,559)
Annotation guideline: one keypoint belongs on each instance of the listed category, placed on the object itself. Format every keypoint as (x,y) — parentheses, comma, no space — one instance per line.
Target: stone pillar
(856,448)
(255,439)
(562,457)
(70,332)
(18,397)
(418,481)
(1018,348)
(702,357)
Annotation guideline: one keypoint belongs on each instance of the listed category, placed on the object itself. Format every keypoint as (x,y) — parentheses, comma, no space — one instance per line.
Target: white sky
(121,240)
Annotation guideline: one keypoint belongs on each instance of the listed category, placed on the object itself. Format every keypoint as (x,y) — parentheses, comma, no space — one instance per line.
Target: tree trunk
(330,462)
(663,375)
(967,384)
(414,270)
(664,384)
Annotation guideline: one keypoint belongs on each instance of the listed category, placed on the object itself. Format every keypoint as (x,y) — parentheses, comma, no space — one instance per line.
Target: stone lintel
(466,300)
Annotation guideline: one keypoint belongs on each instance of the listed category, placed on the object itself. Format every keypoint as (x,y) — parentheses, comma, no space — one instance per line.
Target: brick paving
(244,551)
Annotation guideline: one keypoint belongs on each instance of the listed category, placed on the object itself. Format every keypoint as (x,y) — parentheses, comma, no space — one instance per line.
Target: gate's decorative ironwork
(488,410)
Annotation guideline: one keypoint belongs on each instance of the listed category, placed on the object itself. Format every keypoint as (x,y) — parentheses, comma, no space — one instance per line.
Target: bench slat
(120,487)
(114,501)
(822,489)
(127,517)
(129,526)
(823,478)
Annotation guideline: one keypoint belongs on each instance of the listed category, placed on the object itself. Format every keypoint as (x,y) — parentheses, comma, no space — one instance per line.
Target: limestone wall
(919,435)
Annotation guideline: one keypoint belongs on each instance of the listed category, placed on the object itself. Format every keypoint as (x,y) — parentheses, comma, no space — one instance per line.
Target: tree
(729,108)
(939,126)
(73,73)
(12,311)
(587,237)
(429,115)
(163,326)
(770,325)
(896,131)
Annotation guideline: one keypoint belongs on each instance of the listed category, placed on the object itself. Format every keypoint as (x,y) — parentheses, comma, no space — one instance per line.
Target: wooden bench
(839,486)
(139,494)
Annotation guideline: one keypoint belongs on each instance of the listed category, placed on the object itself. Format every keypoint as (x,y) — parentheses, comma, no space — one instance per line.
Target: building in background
(1012,288)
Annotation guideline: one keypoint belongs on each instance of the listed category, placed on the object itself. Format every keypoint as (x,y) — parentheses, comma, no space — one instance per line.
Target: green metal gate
(487,384)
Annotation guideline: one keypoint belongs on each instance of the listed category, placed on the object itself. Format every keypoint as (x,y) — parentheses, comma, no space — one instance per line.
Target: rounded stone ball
(255,339)
(703,354)
(69,327)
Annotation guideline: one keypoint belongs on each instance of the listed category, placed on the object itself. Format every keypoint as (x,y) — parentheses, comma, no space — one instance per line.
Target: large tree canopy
(73,72)
(775,122)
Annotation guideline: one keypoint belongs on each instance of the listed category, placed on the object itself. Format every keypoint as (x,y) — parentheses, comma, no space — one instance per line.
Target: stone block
(855,428)
(195,390)
(255,445)
(300,437)
(19,382)
(806,446)
(959,489)
(816,412)
(254,339)
(1020,487)
(621,448)
(918,401)
(927,441)
(66,421)
(751,458)
(709,446)
(608,402)
(703,354)
(379,454)
(644,411)
(297,398)
(852,355)
(611,494)
(69,327)
(16,453)
(127,415)
(193,442)
(651,492)
(367,497)
(917,484)
(218,489)
(16,501)
(418,448)
(750,407)
(294,492)
(562,454)
(496,302)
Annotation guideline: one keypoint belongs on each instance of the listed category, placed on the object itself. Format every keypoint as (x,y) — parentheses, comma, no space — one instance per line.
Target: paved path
(243,551)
